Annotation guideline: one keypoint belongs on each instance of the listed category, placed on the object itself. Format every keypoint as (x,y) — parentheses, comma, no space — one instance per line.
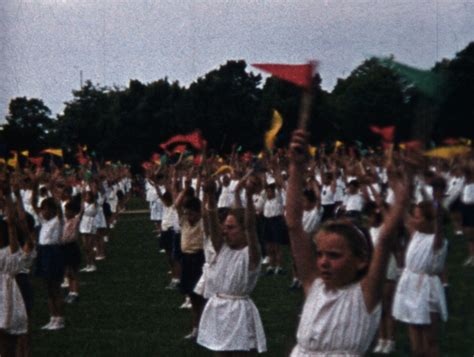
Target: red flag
(411,145)
(81,158)
(450,141)
(299,74)
(38,161)
(147,165)
(179,149)
(194,139)
(387,133)
(198,160)
(155,158)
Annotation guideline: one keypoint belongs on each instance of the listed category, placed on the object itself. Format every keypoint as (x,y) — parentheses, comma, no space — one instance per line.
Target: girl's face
(89,198)
(233,232)
(193,217)
(270,193)
(337,265)
(419,221)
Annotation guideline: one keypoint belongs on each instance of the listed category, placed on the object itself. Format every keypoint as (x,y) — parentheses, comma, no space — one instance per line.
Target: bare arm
(300,241)
(373,282)
(251,226)
(213,220)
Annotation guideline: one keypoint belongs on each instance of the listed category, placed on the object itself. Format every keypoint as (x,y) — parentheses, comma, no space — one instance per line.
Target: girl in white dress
(343,282)
(13,259)
(88,230)
(230,323)
(419,298)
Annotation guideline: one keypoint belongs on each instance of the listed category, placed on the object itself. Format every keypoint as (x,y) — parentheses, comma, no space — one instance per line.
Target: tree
(371,95)
(28,124)
(225,105)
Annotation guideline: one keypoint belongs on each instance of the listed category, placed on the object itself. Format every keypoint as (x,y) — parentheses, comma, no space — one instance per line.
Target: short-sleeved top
(50,232)
(468,194)
(354,202)
(327,195)
(170,219)
(311,219)
(273,207)
(335,322)
(191,236)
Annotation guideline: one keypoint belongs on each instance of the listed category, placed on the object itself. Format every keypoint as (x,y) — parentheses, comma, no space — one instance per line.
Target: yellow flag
(271,134)
(223,169)
(447,152)
(14,160)
(338,144)
(312,150)
(55,152)
(25,153)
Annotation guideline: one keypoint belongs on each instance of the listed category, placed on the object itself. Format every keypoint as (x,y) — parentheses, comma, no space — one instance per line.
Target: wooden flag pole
(305,109)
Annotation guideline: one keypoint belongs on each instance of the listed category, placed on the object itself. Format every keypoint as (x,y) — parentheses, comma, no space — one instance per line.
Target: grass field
(124,309)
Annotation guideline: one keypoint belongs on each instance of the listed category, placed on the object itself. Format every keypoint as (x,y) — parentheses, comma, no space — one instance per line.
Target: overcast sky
(44,44)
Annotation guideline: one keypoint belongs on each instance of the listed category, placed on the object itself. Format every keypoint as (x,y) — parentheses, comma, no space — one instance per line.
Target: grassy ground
(124,309)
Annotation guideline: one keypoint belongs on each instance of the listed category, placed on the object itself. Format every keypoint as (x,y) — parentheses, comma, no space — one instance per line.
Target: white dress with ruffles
(230,321)
(419,289)
(13,317)
(335,322)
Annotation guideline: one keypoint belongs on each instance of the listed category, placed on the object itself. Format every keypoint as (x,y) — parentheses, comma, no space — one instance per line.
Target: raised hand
(298,152)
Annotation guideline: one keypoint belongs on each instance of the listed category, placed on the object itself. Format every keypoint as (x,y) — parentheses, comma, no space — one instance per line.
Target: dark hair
(167,197)
(371,209)
(357,237)
(222,213)
(192,204)
(427,210)
(73,206)
(309,195)
(4,238)
(239,214)
(439,183)
(50,204)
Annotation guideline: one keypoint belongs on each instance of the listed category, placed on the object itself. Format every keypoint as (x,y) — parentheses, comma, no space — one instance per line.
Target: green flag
(427,82)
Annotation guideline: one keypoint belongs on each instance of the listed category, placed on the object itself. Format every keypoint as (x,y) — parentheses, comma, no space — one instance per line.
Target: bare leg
(416,340)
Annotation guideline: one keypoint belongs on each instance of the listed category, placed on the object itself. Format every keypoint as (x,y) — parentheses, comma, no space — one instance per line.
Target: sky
(46,44)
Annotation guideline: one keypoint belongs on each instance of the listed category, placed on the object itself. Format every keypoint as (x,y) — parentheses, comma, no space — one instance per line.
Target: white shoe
(389,347)
(106,239)
(100,257)
(469,262)
(65,284)
(58,324)
(380,346)
(92,268)
(192,335)
(266,260)
(49,324)
(162,251)
(85,269)
(186,304)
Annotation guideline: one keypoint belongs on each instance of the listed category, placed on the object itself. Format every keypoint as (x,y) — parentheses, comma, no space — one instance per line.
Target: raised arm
(300,241)
(251,224)
(373,282)
(215,233)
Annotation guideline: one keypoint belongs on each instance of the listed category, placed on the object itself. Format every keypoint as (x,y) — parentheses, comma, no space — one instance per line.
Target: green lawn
(124,309)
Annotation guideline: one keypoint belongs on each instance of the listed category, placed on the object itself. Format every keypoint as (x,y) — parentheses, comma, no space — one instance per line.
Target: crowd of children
(44,217)
(368,240)
(367,235)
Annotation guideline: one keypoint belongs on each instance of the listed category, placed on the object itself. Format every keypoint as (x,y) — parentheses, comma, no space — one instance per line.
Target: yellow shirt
(191,236)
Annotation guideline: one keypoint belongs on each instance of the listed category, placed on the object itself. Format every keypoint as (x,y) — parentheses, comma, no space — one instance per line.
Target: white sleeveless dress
(230,321)
(419,289)
(335,322)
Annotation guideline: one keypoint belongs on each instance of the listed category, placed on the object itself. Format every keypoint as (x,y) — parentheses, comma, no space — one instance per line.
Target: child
(192,258)
(386,336)
(71,251)
(13,307)
(230,323)
(343,283)
(50,262)
(88,230)
(419,299)
(274,228)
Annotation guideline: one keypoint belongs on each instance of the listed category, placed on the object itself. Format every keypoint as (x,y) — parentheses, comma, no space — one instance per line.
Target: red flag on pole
(38,161)
(194,139)
(299,74)
(387,133)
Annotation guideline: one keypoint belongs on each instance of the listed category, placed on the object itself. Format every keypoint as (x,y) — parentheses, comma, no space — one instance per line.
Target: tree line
(233,106)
